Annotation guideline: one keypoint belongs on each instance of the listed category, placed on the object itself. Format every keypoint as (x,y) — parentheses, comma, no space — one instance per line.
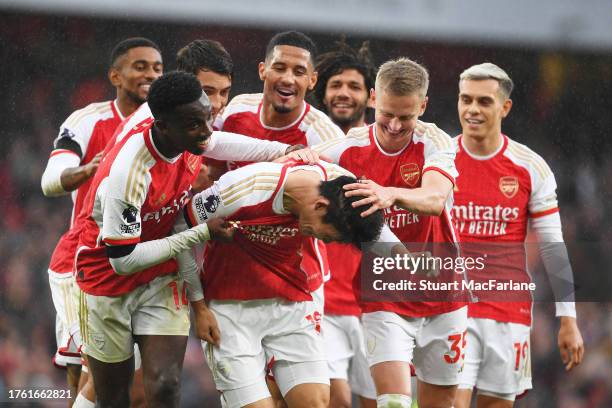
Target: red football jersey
(91,127)
(429,150)
(136,195)
(243,115)
(494,198)
(266,258)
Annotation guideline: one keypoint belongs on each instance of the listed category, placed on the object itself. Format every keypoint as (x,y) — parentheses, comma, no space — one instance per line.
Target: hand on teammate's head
(377,196)
(301,154)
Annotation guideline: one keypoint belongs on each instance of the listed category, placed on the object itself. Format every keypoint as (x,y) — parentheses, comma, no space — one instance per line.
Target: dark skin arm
(73,177)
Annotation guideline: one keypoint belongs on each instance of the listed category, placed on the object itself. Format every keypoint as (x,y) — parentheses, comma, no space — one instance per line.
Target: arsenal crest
(509,186)
(410,173)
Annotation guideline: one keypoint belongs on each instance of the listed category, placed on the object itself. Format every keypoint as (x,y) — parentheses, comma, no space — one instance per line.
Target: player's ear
(371,99)
(506,107)
(423,105)
(114,76)
(313,80)
(161,124)
(262,71)
(321,205)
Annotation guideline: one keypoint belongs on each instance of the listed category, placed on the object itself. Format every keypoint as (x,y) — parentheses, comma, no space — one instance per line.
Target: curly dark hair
(173,89)
(124,46)
(295,39)
(353,228)
(338,60)
(207,55)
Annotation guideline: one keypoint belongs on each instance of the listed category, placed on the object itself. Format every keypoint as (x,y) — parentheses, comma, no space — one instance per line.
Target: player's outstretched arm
(236,147)
(129,259)
(429,199)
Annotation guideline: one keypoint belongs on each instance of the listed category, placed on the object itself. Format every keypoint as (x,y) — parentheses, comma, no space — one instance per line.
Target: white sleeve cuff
(51,181)
(565,309)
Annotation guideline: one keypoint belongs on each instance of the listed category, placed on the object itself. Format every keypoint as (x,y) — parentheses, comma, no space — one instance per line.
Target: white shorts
(434,344)
(345,349)
(108,324)
(497,357)
(251,331)
(64,292)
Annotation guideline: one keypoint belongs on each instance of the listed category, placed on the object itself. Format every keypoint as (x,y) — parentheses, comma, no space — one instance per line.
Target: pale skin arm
(429,199)
(73,177)
(571,345)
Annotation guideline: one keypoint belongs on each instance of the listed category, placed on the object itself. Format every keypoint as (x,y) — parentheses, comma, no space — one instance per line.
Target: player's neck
(390,145)
(358,123)
(483,146)
(271,118)
(165,147)
(301,190)
(126,106)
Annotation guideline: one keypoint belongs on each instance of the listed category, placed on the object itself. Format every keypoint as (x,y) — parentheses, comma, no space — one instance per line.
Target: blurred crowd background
(53,65)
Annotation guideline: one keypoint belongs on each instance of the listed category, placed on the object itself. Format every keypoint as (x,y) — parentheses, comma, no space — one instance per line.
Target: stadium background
(54,63)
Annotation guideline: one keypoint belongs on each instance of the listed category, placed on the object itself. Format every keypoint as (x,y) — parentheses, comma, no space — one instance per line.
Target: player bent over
(256,286)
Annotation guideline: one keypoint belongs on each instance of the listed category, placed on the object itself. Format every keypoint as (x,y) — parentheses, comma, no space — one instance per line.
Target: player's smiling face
(134,72)
(287,74)
(396,117)
(346,97)
(217,88)
(189,127)
(481,108)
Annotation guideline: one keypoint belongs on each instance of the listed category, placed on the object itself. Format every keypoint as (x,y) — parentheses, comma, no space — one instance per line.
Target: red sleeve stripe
(439,170)
(543,213)
(62,151)
(130,241)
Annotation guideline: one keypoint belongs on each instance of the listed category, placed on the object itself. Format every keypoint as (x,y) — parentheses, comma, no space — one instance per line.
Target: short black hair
(124,46)
(207,55)
(171,90)
(353,228)
(294,39)
(342,58)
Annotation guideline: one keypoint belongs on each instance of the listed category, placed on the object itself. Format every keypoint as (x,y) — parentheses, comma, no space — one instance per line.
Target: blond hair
(488,70)
(402,77)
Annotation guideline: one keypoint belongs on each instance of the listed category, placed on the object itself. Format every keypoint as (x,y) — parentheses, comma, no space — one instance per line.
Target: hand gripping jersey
(494,198)
(91,127)
(136,195)
(265,259)
(429,150)
(243,115)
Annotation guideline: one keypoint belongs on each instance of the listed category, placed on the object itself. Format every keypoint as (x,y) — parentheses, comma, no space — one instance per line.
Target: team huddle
(251,216)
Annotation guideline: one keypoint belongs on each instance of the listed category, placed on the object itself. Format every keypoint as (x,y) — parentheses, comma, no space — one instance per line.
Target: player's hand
(206,326)
(378,196)
(301,153)
(91,167)
(571,346)
(221,230)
